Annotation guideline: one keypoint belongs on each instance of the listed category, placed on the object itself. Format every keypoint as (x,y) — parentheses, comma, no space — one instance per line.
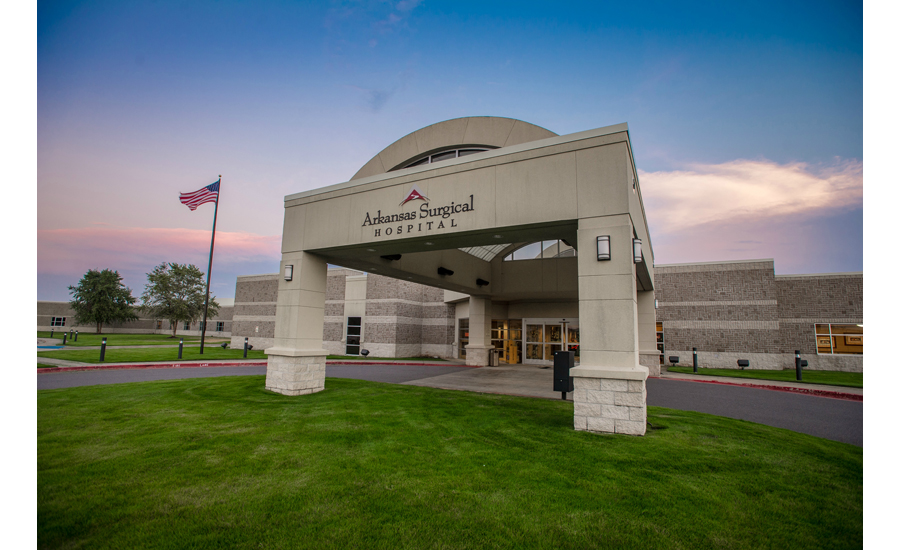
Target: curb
(253,363)
(807,391)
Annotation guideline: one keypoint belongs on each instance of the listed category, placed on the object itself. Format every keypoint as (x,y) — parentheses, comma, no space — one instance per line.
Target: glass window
(443,156)
(187,325)
(463,338)
(554,333)
(528,252)
(57,321)
(542,249)
(419,162)
(535,333)
(220,326)
(354,330)
(839,339)
(464,152)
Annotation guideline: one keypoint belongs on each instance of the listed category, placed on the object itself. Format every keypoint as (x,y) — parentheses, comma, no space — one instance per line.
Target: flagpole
(212,244)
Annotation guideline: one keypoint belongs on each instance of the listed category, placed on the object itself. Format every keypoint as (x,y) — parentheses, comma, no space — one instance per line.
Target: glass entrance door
(543,337)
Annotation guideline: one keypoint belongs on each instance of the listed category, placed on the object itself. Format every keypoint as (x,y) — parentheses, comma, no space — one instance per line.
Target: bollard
(103,350)
(70,334)
(797,365)
(695,360)
(76,336)
(51,333)
(64,338)
(180,347)
(245,347)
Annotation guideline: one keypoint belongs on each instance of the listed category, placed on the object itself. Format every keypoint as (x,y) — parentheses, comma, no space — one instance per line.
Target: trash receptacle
(562,362)
(494,358)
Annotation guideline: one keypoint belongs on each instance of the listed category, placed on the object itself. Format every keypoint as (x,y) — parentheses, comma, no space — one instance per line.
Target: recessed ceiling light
(498,236)
(428,244)
(371,249)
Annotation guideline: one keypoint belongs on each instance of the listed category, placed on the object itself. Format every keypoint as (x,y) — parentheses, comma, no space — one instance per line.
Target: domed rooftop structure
(452,138)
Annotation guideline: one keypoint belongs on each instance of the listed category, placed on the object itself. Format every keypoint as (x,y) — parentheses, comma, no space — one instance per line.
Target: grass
(220,462)
(45,366)
(140,355)
(85,339)
(831,378)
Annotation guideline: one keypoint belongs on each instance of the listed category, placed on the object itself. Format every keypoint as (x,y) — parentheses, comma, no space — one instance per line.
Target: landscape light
(638,256)
(288,273)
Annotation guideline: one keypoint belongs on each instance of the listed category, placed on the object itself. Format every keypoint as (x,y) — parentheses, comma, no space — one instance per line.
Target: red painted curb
(257,362)
(807,391)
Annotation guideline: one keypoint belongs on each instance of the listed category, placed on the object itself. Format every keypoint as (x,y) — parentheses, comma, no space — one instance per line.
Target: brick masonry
(727,310)
(743,310)
(610,406)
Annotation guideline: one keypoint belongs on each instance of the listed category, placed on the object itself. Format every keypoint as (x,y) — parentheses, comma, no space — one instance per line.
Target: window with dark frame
(220,326)
(354,335)
(57,321)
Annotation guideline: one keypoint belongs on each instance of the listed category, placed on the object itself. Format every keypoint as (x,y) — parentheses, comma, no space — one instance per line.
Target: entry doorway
(543,337)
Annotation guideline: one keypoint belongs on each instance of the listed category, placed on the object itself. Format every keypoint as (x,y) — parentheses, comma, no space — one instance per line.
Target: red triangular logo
(414,194)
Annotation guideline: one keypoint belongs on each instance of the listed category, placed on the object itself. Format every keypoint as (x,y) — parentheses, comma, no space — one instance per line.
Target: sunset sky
(746,118)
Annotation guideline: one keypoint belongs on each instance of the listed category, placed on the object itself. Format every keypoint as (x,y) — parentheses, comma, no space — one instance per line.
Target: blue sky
(138,101)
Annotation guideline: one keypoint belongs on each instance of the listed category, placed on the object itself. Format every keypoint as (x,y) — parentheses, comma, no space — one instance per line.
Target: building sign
(425,218)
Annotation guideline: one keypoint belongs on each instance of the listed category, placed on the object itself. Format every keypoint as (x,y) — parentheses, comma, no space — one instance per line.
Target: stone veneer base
(477,356)
(295,375)
(611,400)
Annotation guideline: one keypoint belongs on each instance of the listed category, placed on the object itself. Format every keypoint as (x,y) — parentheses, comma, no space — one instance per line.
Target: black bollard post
(103,350)
(695,360)
(51,333)
(71,333)
(64,338)
(180,347)
(797,365)
(76,336)
(245,347)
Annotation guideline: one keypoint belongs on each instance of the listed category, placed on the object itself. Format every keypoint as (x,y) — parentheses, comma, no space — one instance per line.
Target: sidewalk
(842,392)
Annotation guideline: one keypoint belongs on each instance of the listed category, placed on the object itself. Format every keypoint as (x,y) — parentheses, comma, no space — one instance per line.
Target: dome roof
(478,131)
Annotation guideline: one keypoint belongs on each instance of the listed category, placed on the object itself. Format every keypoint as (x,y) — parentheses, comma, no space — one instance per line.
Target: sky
(746,119)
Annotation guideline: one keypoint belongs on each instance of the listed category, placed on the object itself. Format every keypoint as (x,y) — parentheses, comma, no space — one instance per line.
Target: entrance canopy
(487,186)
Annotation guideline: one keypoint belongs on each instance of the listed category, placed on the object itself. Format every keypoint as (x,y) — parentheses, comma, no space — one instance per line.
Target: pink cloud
(749,190)
(66,251)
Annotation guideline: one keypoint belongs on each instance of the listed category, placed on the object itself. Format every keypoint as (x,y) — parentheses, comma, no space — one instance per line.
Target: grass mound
(220,462)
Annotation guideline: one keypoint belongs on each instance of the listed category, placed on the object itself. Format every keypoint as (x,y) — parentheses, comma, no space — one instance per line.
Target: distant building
(60,317)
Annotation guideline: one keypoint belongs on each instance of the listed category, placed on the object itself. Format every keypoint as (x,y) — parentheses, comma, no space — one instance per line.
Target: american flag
(210,193)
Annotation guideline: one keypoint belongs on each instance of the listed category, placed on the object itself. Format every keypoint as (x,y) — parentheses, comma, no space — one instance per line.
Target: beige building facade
(444,207)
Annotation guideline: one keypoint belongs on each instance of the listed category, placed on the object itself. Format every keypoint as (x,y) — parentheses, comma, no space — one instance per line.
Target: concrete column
(296,364)
(479,331)
(610,385)
(649,354)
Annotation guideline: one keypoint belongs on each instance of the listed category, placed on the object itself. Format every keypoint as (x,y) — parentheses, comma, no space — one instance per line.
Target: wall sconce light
(656,304)
(481,282)
(288,273)
(638,255)
(444,271)
(392,257)
(602,248)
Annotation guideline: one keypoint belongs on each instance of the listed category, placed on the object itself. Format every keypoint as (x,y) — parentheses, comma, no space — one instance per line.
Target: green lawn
(220,462)
(851,379)
(128,339)
(138,355)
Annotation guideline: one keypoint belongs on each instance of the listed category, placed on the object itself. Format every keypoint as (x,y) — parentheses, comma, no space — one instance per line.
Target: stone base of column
(651,361)
(295,374)
(611,399)
(477,356)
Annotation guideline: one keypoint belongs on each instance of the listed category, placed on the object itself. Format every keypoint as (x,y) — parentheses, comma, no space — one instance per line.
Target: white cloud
(704,194)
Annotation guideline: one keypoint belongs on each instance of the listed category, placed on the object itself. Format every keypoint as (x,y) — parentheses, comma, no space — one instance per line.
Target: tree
(176,292)
(101,298)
